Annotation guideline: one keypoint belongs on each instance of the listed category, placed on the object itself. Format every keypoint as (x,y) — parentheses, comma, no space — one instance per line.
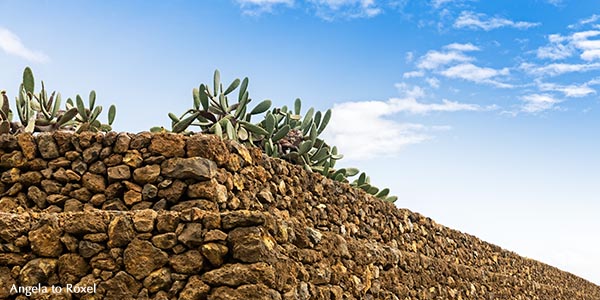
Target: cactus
(41,113)
(86,118)
(282,133)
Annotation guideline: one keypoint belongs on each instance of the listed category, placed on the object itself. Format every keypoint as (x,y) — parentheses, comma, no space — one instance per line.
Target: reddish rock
(168,145)
(207,146)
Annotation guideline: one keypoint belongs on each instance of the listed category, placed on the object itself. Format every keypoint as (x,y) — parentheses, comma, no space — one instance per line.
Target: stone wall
(143,216)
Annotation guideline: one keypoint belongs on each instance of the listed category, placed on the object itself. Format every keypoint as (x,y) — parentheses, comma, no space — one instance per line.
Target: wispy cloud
(472,20)
(413,74)
(471,72)
(561,47)
(571,91)
(462,47)
(332,9)
(325,9)
(555,69)
(258,7)
(11,44)
(591,19)
(535,103)
(434,59)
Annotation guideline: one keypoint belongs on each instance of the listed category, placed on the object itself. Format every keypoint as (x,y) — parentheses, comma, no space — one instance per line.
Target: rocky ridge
(164,216)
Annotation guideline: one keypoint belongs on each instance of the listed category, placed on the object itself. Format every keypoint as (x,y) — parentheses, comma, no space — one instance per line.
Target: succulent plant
(86,118)
(41,113)
(213,113)
(282,133)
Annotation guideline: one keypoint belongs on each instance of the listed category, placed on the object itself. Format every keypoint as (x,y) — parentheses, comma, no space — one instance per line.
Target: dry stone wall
(163,216)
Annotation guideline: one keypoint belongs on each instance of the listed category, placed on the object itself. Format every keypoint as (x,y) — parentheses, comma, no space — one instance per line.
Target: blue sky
(483,115)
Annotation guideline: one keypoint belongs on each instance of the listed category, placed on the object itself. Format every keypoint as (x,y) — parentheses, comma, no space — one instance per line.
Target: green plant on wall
(40,112)
(282,133)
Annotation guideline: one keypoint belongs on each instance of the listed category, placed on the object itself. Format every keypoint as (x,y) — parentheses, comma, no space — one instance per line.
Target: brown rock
(215,235)
(189,168)
(133,158)
(45,241)
(143,220)
(208,146)
(122,286)
(242,218)
(251,244)
(189,262)
(120,232)
(240,274)
(141,258)
(79,223)
(158,280)
(132,197)
(38,196)
(88,249)
(121,143)
(13,159)
(13,226)
(38,270)
(149,191)
(201,204)
(215,253)
(93,182)
(168,145)
(249,291)
(167,222)
(173,192)
(146,174)
(31,178)
(6,282)
(71,268)
(195,289)
(165,240)
(121,172)
(27,144)
(92,153)
(47,146)
(191,235)
(210,190)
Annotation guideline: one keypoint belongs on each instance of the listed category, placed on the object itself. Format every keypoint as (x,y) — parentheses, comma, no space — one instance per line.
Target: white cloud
(472,20)
(535,103)
(409,56)
(564,46)
(470,72)
(410,91)
(11,44)
(554,51)
(572,91)
(462,47)
(591,19)
(558,68)
(257,7)
(433,82)
(385,136)
(331,9)
(434,59)
(413,74)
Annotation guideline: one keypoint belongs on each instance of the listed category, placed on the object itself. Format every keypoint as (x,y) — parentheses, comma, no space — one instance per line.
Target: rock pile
(164,216)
